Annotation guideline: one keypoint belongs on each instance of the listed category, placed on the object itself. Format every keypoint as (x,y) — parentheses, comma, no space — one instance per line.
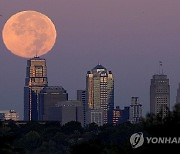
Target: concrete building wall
(50,96)
(95,116)
(159,95)
(67,111)
(135,111)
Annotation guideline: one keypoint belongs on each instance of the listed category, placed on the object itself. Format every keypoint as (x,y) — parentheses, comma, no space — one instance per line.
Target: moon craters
(29,33)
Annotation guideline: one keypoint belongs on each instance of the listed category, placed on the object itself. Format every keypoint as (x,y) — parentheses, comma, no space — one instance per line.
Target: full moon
(28,34)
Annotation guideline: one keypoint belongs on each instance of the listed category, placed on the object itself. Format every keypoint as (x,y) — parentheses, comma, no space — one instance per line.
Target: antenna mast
(160,67)
(36,54)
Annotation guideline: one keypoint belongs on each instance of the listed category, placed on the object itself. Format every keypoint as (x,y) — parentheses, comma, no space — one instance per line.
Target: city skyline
(130,43)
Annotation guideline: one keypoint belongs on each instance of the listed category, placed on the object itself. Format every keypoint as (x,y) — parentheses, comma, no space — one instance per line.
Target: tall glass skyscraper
(36,80)
(100,91)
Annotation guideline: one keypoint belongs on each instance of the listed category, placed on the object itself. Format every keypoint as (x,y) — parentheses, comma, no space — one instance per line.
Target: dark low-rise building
(124,115)
(67,111)
(49,97)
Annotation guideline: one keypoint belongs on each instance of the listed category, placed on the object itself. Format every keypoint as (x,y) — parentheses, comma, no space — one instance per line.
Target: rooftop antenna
(36,54)
(160,67)
(98,62)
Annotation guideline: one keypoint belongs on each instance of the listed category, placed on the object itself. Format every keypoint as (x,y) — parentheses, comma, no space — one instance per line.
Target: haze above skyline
(127,37)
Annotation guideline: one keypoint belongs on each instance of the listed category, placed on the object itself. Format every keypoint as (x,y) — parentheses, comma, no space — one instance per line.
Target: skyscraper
(82,96)
(116,115)
(159,95)
(36,80)
(135,110)
(100,91)
(48,97)
(178,95)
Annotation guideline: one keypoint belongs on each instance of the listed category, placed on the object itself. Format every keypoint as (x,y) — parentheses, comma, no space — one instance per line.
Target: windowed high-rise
(100,91)
(159,95)
(116,115)
(36,80)
(135,110)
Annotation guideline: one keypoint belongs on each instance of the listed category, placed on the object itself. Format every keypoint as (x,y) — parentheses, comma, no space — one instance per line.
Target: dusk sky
(128,37)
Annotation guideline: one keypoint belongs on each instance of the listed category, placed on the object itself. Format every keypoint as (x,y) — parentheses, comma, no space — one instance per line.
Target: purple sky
(128,37)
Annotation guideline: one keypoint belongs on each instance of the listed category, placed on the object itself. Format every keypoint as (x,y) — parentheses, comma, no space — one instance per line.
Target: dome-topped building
(100,91)
(99,66)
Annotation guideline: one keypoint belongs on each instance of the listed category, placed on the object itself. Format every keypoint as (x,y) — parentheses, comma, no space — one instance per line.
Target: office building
(178,95)
(116,115)
(36,80)
(100,91)
(9,115)
(135,111)
(96,116)
(124,115)
(82,96)
(48,97)
(159,95)
(67,111)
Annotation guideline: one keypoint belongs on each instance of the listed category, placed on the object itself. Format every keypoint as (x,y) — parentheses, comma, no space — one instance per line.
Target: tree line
(72,138)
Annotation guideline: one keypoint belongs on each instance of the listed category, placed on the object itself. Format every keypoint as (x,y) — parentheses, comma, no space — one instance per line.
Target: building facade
(135,111)
(124,115)
(159,95)
(82,96)
(96,116)
(178,95)
(36,80)
(116,115)
(100,91)
(48,97)
(67,111)
(9,115)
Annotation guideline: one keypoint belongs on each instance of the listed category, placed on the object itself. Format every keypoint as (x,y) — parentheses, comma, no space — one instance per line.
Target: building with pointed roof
(100,91)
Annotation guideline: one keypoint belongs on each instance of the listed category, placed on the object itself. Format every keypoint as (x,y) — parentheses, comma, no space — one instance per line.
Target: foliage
(52,138)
